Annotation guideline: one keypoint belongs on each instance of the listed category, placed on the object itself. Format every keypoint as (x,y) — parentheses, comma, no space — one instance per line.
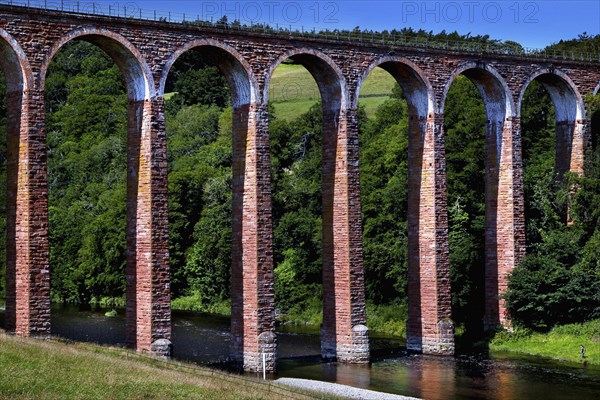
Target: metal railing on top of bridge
(130,10)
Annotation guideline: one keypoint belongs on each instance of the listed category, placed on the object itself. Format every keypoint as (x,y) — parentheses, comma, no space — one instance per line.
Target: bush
(389,318)
(543,292)
(193,302)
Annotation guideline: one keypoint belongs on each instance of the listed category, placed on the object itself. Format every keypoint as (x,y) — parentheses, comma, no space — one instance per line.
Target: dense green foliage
(87,140)
(86,103)
(384,189)
(464,124)
(584,43)
(559,280)
(199,154)
(296,169)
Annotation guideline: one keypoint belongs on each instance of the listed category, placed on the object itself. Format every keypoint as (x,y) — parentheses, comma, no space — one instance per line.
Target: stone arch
(327,74)
(568,102)
(570,117)
(14,64)
(410,77)
(504,242)
(231,63)
(428,293)
(343,288)
(491,85)
(137,74)
(147,275)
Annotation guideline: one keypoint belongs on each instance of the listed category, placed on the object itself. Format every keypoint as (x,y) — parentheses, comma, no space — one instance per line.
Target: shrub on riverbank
(561,343)
(389,319)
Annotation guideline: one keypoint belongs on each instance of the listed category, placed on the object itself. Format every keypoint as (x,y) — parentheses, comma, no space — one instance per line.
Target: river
(205,339)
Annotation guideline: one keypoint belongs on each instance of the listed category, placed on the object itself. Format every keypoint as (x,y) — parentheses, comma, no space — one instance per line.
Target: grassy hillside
(293,90)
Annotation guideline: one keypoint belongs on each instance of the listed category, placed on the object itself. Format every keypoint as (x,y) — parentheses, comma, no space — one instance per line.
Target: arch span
(492,87)
(429,328)
(343,335)
(327,74)
(231,63)
(253,333)
(138,77)
(147,296)
(568,102)
(14,64)
(570,118)
(410,77)
(504,236)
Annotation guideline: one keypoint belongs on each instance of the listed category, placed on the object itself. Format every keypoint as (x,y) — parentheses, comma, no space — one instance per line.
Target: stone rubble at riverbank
(340,390)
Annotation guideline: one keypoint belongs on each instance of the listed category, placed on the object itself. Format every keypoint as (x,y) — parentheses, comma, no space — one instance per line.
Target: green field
(293,90)
(47,369)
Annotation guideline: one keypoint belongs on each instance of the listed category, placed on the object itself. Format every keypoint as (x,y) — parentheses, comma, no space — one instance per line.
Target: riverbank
(384,319)
(561,343)
(49,369)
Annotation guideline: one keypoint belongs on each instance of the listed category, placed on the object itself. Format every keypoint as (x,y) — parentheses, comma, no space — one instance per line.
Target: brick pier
(145,52)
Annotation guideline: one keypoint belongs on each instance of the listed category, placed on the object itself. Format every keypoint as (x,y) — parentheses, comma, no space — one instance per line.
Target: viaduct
(146,50)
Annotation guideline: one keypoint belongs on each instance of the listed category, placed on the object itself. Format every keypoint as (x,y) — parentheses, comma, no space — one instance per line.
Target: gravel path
(340,390)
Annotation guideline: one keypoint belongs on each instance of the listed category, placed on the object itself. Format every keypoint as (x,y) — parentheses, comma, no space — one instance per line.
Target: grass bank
(382,319)
(194,303)
(561,343)
(48,369)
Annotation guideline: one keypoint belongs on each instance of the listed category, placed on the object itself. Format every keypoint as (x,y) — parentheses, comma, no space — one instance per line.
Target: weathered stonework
(252,286)
(344,335)
(148,310)
(429,326)
(145,52)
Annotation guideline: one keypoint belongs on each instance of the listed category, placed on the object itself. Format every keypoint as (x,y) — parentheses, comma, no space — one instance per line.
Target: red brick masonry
(145,52)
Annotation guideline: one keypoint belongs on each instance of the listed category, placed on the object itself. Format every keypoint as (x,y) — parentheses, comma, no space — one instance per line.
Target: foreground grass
(46,369)
(561,343)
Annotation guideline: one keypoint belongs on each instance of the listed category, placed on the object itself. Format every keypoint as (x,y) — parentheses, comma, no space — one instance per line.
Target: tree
(200,86)
(87,131)
(384,195)
(464,124)
(199,155)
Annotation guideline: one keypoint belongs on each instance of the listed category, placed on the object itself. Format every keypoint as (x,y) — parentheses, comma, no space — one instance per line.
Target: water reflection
(205,339)
(504,389)
(432,377)
(351,375)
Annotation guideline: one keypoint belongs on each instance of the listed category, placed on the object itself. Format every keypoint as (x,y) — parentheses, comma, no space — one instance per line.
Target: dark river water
(205,339)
